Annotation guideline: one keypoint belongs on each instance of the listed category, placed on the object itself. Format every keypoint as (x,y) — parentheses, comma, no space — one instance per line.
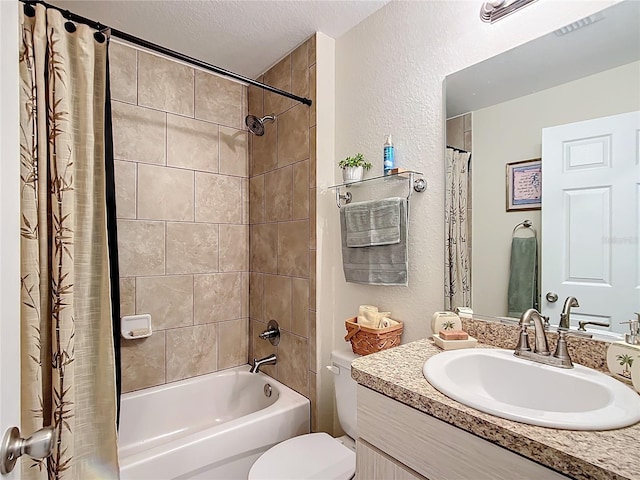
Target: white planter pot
(352,174)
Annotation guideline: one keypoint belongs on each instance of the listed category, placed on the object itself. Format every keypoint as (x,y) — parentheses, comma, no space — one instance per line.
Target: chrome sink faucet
(565,316)
(257,363)
(540,353)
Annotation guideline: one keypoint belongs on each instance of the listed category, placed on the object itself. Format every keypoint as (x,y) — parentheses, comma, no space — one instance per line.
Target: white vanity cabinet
(399,442)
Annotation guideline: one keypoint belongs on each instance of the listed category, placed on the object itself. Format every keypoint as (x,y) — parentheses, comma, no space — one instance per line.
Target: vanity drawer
(434,448)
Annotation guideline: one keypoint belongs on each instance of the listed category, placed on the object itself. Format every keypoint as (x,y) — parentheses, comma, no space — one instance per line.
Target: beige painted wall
(512,131)
(182,207)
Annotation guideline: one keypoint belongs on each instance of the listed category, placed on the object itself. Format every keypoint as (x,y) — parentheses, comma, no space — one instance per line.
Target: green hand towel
(523,276)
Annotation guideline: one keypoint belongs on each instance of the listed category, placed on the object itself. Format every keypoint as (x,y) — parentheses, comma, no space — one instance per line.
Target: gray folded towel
(523,276)
(373,223)
(380,264)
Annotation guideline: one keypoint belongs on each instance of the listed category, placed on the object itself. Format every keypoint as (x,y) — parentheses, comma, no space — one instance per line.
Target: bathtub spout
(257,363)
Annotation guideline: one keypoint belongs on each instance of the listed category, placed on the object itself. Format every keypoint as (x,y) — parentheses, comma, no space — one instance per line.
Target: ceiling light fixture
(494,10)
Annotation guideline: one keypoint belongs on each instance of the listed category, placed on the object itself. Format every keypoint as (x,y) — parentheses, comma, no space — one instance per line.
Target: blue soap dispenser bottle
(389,155)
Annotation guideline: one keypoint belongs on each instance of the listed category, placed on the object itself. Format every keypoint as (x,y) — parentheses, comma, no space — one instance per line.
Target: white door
(590,219)
(9,222)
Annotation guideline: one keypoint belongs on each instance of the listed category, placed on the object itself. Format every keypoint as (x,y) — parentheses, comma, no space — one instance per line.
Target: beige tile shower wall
(182,205)
(459,132)
(282,194)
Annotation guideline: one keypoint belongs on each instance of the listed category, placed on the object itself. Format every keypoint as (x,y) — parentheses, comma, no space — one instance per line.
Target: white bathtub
(208,427)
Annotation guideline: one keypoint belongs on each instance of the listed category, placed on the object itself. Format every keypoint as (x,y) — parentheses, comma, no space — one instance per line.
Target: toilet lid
(316,455)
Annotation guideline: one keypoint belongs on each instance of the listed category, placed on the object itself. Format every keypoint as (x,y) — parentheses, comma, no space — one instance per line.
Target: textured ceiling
(243,36)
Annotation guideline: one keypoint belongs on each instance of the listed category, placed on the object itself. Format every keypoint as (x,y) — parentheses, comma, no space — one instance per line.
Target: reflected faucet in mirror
(565,316)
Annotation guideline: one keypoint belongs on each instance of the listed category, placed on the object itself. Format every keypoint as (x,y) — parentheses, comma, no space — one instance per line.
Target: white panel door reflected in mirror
(590,228)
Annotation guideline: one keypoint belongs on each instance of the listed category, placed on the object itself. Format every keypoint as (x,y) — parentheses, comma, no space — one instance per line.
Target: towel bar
(525,224)
(414,184)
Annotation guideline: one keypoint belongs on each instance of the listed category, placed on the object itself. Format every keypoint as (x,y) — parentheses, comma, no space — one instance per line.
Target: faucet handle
(547,323)
(582,324)
(523,340)
(562,352)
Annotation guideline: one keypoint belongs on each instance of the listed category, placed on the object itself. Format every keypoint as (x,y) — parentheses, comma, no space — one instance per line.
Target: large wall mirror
(499,110)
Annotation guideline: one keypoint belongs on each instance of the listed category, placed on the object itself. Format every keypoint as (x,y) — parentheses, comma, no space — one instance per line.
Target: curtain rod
(168,52)
(457,149)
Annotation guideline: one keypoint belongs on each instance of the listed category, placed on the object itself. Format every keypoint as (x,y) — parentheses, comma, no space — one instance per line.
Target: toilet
(318,455)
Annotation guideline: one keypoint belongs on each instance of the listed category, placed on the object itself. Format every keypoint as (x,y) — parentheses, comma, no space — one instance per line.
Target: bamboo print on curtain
(457,282)
(67,358)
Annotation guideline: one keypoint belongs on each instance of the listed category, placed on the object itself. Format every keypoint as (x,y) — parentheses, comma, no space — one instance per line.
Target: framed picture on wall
(524,185)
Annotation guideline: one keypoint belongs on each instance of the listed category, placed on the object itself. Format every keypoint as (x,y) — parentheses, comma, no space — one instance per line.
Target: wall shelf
(414,180)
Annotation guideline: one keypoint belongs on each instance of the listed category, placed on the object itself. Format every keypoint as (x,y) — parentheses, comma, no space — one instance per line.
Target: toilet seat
(311,456)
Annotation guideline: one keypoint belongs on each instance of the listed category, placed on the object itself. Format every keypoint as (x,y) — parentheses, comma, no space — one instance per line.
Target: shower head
(256,125)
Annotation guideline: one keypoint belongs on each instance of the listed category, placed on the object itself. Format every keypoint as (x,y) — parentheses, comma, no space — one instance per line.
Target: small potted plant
(353,168)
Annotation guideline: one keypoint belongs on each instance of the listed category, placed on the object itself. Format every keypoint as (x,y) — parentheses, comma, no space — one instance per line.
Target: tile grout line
(194,92)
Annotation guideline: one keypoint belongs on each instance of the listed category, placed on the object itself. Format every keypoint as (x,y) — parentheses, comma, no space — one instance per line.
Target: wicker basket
(366,340)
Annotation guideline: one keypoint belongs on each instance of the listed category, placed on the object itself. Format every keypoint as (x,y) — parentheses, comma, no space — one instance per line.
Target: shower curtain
(457,283)
(67,366)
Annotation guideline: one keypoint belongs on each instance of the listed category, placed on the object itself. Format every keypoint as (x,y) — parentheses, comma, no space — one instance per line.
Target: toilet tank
(345,388)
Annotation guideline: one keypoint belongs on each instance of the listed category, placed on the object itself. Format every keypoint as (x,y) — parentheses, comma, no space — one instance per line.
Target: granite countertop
(397,373)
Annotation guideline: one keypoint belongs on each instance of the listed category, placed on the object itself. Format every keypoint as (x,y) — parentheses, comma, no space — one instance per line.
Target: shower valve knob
(272,333)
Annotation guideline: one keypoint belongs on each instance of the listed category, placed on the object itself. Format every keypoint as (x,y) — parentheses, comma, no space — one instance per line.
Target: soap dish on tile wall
(133,327)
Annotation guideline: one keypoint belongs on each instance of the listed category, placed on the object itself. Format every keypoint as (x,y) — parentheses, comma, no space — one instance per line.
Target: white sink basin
(497,382)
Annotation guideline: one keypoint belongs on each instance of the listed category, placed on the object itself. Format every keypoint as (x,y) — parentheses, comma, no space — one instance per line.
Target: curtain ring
(99,35)
(29,11)
(69,26)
